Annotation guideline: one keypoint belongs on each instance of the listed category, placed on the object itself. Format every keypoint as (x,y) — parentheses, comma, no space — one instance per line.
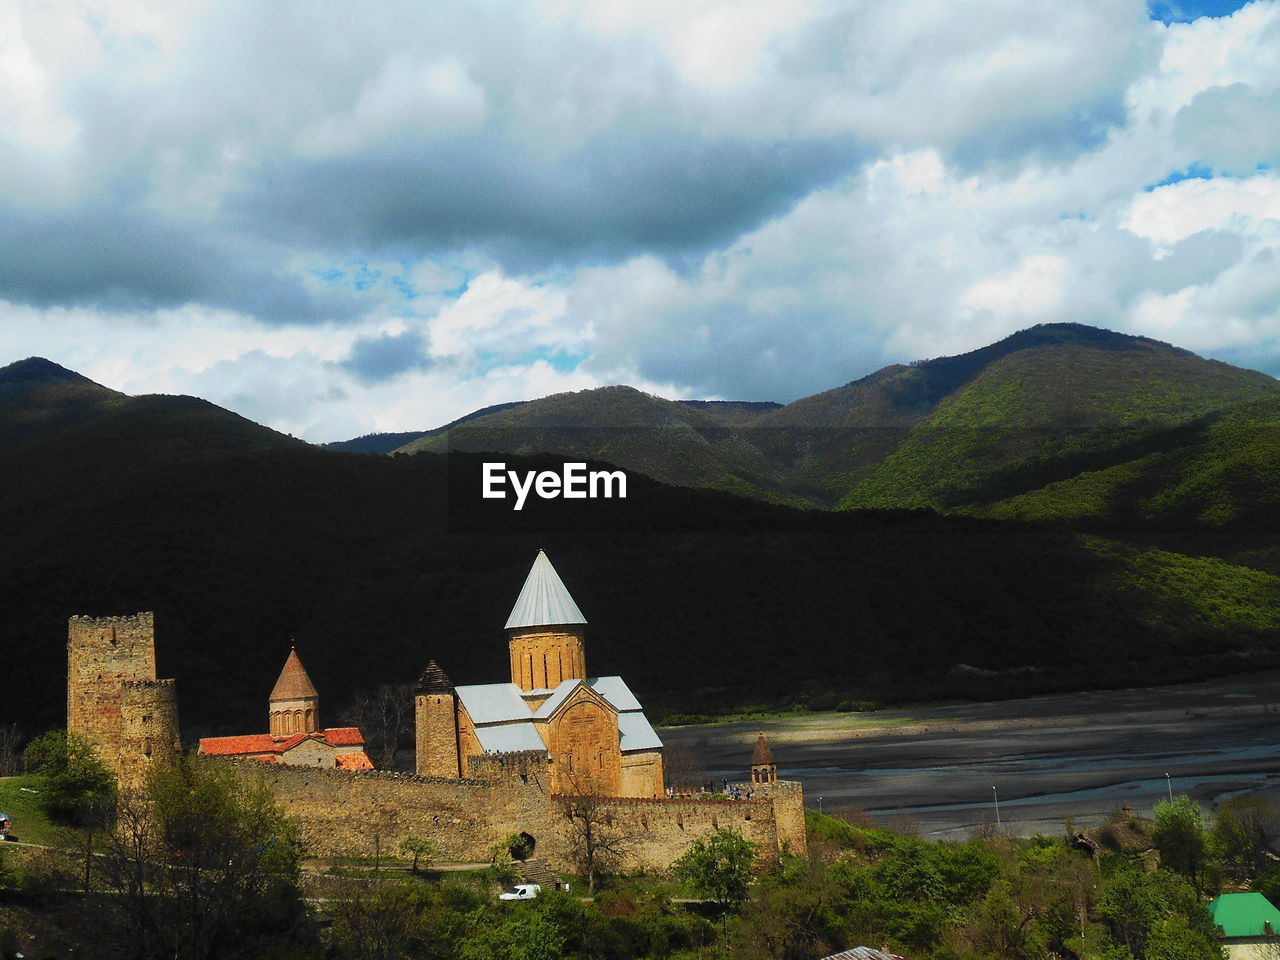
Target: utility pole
(996,795)
(1169,783)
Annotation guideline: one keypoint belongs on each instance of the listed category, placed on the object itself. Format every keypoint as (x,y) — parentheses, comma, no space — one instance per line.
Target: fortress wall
(342,813)
(663,828)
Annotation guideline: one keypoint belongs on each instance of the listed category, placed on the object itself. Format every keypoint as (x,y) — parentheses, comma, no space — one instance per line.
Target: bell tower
(294,705)
(545,632)
(763,767)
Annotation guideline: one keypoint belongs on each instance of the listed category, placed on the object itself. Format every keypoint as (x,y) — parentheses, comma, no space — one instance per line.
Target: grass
(30,825)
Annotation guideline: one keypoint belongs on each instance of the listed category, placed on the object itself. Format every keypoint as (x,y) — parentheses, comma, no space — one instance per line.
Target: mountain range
(1066,508)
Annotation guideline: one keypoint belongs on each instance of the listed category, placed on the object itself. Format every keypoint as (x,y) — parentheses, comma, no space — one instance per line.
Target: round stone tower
(545,632)
(294,705)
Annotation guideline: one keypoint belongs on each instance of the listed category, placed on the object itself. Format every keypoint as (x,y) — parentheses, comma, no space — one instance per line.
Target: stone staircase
(537,871)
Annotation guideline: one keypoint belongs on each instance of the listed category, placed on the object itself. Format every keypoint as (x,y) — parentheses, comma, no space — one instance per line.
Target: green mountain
(962,433)
(690,444)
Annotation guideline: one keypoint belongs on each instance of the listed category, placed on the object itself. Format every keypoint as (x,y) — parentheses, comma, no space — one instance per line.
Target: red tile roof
(250,743)
(344,736)
(265,743)
(354,761)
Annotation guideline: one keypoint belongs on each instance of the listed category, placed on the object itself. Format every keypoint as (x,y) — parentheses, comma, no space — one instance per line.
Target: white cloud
(1250,207)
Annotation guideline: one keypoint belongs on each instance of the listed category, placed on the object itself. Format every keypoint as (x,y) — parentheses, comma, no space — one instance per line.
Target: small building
(1248,925)
(294,734)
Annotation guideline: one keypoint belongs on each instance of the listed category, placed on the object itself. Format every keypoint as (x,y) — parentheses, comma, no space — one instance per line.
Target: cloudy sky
(338,219)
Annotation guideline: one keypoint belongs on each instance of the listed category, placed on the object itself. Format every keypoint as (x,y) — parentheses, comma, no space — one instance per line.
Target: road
(1048,757)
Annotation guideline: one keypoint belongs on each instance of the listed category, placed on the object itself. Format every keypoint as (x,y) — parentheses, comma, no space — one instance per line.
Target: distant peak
(36,370)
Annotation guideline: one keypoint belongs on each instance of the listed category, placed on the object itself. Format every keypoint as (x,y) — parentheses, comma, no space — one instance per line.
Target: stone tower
(114,698)
(436,724)
(763,768)
(294,705)
(545,632)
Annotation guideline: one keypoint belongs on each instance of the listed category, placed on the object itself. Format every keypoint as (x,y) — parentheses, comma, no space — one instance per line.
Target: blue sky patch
(1194,172)
(1184,11)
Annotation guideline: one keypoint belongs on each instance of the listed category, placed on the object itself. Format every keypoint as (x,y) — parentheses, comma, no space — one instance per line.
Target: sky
(340,219)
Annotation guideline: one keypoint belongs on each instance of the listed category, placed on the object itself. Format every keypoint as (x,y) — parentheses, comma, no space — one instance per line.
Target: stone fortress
(493,760)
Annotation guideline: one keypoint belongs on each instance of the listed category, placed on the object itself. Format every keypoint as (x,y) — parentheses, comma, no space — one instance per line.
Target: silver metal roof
(616,691)
(558,696)
(543,601)
(636,733)
(509,737)
(493,702)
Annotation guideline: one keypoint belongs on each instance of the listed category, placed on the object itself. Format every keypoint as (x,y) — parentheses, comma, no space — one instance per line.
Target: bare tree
(597,838)
(385,717)
(10,752)
(682,770)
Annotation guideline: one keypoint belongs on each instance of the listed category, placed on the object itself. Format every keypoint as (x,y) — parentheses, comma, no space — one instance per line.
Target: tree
(1181,838)
(202,859)
(10,755)
(719,867)
(74,784)
(385,717)
(420,848)
(1243,834)
(597,839)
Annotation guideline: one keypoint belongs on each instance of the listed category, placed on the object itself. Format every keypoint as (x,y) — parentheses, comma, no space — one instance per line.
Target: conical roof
(544,601)
(294,684)
(433,680)
(762,754)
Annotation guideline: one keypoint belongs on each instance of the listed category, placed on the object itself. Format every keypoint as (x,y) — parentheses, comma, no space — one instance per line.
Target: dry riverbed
(1049,757)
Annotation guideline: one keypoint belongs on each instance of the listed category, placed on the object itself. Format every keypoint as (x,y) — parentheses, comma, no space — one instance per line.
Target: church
(294,734)
(593,730)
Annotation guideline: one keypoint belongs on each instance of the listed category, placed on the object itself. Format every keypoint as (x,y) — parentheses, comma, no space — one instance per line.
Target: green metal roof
(1244,914)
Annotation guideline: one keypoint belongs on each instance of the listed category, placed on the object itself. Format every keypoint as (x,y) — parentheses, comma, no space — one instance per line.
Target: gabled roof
(1244,914)
(616,691)
(493,702)
(636,733)
(509,737)
(293,684)
(265,743)
(250,743)
(544,601)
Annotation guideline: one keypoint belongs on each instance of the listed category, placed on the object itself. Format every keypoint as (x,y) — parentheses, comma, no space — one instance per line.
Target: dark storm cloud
(621,195)
(114,256)
(374,359)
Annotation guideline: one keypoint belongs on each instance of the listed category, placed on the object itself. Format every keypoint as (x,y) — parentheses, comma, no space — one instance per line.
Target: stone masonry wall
(148,729)
(436,726)
(344,813)
(787,798)
(103,653)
